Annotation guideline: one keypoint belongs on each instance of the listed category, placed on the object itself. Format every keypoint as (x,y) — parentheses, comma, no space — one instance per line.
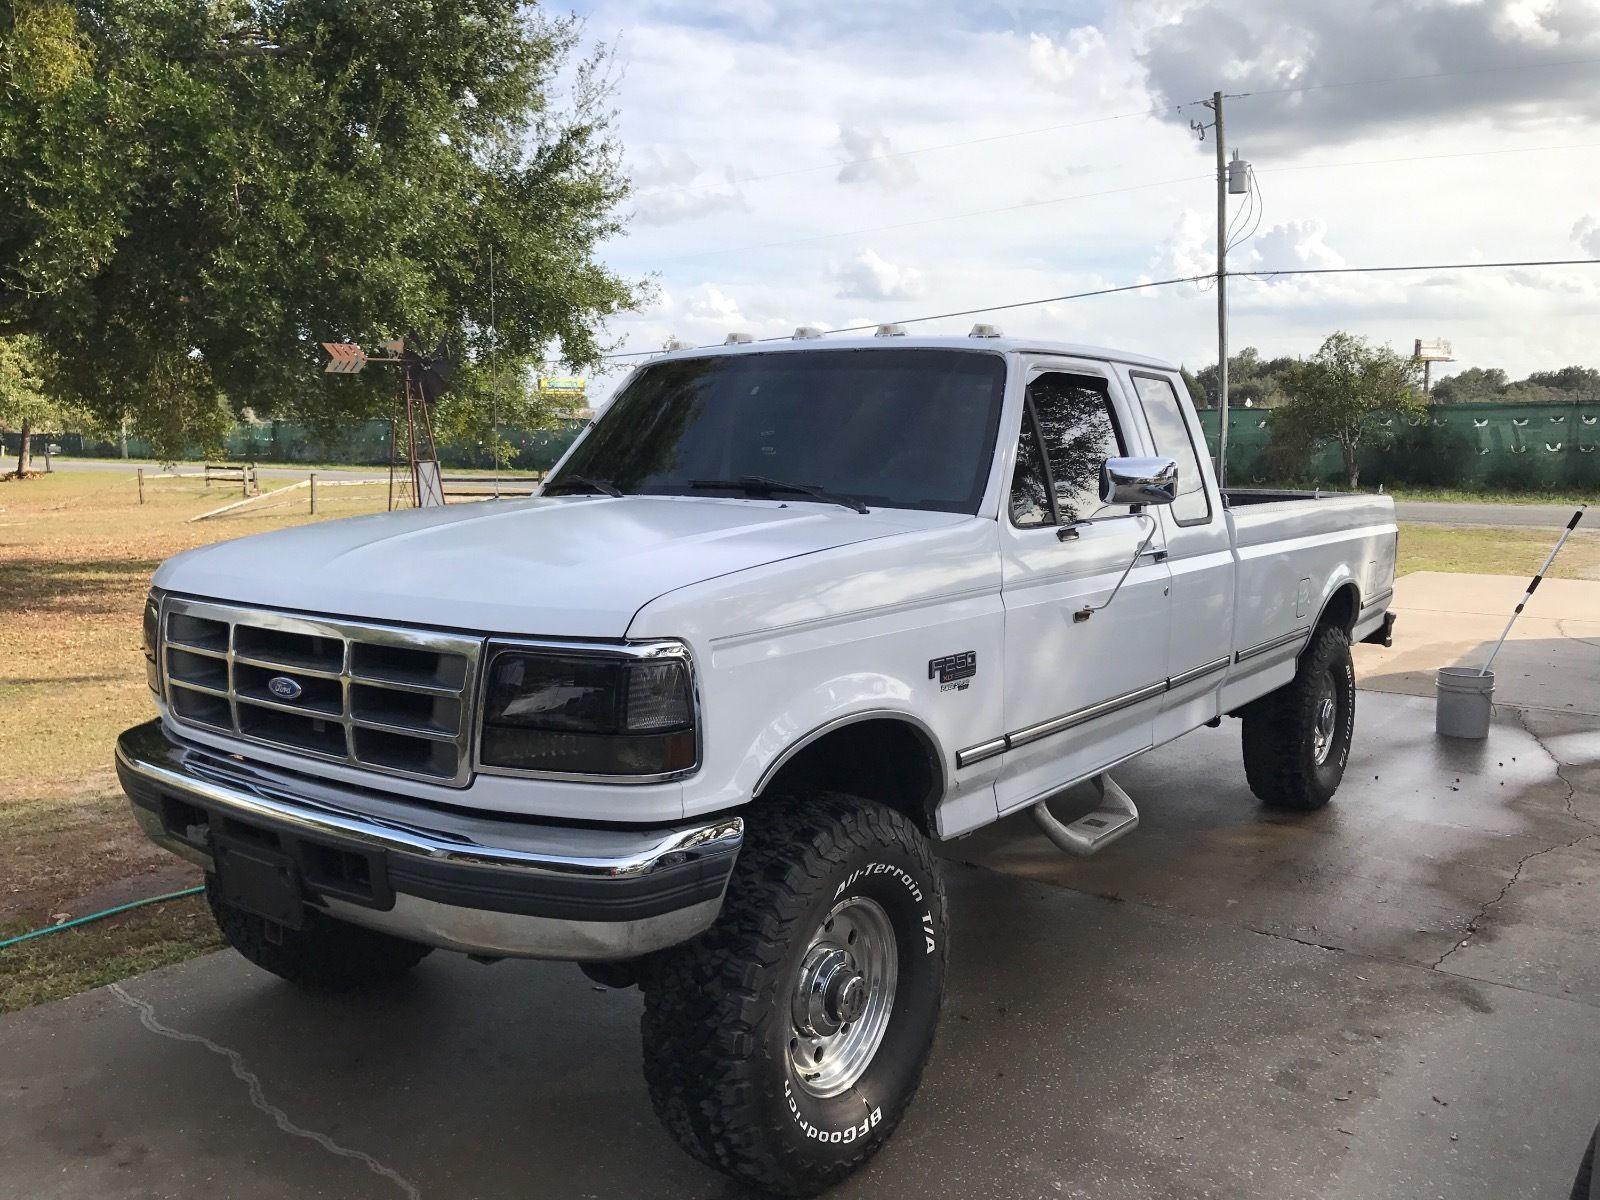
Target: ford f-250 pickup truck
(785,616)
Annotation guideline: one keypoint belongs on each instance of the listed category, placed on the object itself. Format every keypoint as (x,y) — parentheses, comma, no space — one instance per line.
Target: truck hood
(573,566)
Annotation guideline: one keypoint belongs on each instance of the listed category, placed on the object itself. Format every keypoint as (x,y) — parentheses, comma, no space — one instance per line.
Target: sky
(838,164)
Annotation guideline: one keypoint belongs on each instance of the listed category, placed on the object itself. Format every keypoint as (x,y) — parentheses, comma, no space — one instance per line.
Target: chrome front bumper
(460,881)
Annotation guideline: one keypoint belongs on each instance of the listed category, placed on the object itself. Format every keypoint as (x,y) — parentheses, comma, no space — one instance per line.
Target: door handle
(1155,555)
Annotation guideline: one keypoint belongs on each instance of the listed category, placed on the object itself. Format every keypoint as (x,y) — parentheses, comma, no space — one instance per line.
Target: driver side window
(1069,429)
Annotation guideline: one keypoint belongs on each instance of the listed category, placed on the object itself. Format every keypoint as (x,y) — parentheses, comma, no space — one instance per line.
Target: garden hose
(109,912)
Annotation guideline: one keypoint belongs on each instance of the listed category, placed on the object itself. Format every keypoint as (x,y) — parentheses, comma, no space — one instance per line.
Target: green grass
(75,960)
(1496,551)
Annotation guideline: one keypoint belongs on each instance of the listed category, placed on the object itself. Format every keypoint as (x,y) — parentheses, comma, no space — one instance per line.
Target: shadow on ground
(1150,1045)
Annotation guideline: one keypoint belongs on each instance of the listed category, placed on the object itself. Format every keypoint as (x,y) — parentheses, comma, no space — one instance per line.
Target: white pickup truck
(784,617)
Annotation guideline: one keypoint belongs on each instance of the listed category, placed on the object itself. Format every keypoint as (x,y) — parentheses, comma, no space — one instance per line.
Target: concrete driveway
(1396,997)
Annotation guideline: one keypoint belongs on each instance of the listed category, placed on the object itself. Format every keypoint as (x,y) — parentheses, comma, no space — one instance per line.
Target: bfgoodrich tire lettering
(1297,739)
(720,1018)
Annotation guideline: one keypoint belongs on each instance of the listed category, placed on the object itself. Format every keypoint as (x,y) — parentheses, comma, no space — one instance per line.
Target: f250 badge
(954,671)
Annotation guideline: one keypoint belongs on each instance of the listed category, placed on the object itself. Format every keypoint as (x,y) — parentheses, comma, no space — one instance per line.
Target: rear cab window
(1170,433)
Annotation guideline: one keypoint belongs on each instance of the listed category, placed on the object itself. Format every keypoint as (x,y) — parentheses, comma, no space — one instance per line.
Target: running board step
(1090,834)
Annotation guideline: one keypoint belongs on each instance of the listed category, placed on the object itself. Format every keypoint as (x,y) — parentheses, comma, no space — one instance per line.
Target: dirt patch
(79,550)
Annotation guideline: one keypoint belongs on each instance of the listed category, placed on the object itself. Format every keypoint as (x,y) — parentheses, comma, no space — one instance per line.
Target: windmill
(423,379)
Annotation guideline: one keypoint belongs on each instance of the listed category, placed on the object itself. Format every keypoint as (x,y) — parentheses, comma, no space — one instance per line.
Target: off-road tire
(325,954)
(1583,1187)
(1280,758)
(718,1020)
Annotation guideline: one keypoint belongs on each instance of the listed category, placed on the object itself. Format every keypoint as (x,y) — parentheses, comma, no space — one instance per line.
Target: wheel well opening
(1342,608)
(883,759)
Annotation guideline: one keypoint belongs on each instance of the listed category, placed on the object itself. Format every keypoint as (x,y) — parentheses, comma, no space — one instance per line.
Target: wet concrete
(1412,861)
(1395,997)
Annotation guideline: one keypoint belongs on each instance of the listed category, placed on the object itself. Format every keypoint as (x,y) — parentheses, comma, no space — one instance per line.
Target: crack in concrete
(1572,637)
(1474,925)
(1561,770)
(147,1018)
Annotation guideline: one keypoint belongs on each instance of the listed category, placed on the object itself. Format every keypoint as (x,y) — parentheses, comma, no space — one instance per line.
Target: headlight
(589,714)
(152,640)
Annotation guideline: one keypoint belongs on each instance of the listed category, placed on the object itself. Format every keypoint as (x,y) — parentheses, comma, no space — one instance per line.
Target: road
(1526,516)
(1396,997)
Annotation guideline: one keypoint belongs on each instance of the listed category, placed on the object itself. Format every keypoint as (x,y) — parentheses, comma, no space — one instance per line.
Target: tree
(1197,391)
(1335,396)
(483,401)
(1253,381)
(1581,380)
(194,194)
(25,404)
(1475,385)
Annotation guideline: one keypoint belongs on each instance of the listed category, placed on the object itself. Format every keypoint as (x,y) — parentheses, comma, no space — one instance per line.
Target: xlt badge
(954,671)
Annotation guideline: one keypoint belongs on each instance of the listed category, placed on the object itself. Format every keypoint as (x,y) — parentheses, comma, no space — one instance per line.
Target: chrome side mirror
(1138,481)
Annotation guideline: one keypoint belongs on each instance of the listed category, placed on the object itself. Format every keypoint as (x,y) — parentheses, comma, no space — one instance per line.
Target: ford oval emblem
(284,688)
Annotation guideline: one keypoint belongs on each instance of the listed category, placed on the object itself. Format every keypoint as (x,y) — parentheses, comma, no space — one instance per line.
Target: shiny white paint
(803,616)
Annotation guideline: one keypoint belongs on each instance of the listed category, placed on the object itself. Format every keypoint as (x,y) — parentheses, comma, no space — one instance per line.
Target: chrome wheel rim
(1322,724)
(843,997)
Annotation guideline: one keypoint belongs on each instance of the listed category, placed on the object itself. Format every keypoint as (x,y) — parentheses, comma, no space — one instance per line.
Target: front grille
(374,696)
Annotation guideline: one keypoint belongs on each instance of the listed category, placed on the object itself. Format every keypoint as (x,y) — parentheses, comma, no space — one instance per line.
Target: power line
(971,312)
(1257,276)
(1157,111)
(1346,83)
(1262,276)
(1414,158)
(987,212)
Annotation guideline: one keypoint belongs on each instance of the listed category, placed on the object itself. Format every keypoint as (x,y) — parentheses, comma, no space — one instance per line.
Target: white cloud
(1506,62)
(1586,233)
(1190,249)
(665,190)
(739,94)
(1294,244)
(869,276)
(1060,64)
(870,160)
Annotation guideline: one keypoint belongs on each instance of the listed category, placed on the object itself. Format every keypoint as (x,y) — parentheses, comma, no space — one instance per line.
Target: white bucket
(1465,701)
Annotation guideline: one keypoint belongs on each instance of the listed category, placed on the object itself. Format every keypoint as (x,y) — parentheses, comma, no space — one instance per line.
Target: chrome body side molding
(1294,635)
(983,751)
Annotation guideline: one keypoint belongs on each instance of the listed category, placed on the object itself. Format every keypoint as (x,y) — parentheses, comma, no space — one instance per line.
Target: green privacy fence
(1510,447)
(359,443)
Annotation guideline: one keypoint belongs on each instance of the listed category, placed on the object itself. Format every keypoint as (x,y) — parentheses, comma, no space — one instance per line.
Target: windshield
(890,428)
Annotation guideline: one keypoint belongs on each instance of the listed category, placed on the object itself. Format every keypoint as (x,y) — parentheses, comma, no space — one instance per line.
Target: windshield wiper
(604,486)
(760,485)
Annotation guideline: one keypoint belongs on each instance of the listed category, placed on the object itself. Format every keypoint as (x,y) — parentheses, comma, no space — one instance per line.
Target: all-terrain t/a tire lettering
(765,1054)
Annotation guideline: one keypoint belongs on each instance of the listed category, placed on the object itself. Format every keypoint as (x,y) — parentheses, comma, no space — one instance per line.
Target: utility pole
(1222,295)
(1236,181)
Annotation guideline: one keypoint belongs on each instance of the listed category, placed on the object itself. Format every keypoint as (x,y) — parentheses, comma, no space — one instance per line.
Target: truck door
(1199,556)
(1081,692)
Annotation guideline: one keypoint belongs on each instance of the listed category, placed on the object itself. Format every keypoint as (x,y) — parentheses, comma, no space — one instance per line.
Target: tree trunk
(1352,468)
(24,449)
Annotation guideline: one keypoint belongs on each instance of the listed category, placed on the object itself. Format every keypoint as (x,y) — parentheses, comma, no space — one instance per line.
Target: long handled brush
(1533,586)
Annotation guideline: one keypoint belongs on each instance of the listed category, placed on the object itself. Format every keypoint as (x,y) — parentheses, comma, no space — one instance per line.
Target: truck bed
(1294,549)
